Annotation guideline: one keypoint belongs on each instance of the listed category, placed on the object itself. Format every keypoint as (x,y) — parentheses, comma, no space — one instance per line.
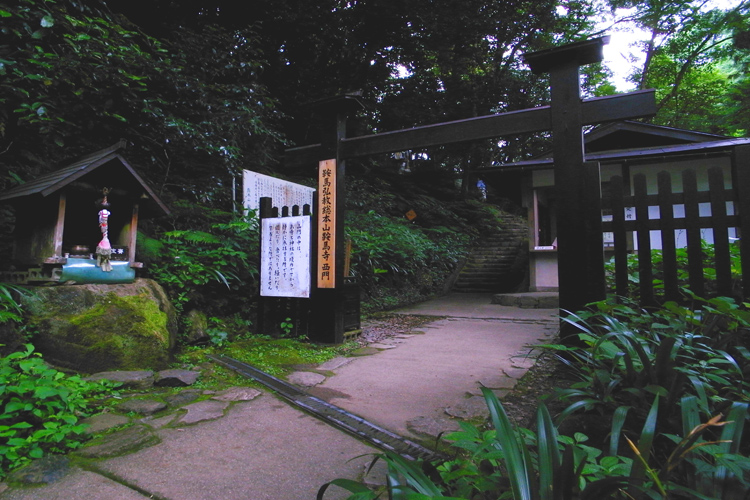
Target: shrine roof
(649,153)
(628,140)
(117,171)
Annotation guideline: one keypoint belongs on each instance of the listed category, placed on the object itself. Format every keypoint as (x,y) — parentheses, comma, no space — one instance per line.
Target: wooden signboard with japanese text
(283,193)
(326,212)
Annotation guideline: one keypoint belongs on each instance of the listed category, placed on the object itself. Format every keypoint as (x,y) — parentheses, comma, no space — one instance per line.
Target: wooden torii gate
(577,183)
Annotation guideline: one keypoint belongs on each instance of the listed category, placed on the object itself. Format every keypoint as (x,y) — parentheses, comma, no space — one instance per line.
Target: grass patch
(274,356)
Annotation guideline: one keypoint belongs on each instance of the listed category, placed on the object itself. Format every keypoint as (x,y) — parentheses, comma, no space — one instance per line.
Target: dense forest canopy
(202,89)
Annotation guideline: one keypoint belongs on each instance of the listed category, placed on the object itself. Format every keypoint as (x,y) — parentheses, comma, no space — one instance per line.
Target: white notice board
(285,257)
(283,193)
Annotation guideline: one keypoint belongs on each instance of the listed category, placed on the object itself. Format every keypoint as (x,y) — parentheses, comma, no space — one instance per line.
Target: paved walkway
(262,448)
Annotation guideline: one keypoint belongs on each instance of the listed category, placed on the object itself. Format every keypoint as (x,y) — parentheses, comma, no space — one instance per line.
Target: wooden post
(328,301)
(741,185)
(693,232)
(577,186)
(620,236)
(133,236)
(668,244)
(59,228)
(264,211)
(721,232)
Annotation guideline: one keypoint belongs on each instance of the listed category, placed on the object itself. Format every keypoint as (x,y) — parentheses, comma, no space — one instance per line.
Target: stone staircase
(499,264)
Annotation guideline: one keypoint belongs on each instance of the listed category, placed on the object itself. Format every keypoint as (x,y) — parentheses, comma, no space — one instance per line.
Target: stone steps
(493,266)
(535,300)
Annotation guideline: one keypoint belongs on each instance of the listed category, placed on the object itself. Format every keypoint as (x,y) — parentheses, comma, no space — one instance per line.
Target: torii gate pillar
(577,183)
(327,325)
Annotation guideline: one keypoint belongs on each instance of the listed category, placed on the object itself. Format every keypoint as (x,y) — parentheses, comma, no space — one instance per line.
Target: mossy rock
(93,328)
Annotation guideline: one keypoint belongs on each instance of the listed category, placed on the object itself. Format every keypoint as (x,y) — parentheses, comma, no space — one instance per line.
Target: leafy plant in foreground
(505,462)
(10,308)
(40,409)
(508,462)
(630,354)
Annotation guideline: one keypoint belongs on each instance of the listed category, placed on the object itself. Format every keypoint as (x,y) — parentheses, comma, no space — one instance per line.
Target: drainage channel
(332,414)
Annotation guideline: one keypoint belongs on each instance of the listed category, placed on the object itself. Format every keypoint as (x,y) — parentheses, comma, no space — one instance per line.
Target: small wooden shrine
(79,224)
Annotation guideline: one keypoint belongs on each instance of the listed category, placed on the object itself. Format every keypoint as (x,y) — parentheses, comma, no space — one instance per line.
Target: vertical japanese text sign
(285,257)
(327,224)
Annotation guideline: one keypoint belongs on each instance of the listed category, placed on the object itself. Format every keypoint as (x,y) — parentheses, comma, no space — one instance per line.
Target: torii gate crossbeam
(577,184)
(594,111)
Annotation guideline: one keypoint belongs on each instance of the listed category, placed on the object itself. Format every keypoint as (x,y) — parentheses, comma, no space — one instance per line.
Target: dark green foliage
(709,272)
(77,77)
(506,461)
(396,261)
(10,308)
(211,265)
(384,245)
(40,409)
(631,354)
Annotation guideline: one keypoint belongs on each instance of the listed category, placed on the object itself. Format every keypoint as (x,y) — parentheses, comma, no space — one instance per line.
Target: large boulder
(94,328)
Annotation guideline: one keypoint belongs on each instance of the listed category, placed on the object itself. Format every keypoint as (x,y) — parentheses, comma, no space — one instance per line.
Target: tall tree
(416,61)
(688,43)
(77,77)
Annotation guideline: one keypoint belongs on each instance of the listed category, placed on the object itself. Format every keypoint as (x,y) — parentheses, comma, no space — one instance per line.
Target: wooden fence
(674,271)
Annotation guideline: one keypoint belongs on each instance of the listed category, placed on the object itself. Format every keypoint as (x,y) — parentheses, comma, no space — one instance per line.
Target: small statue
(104,249)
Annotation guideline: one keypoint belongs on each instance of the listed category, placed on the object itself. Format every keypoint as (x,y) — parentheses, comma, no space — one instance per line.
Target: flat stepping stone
(499,392)
(432,426)
(140,379)
(118,443)
(380,346)
(522,363)
(203,410)
(306,379)
(535,300)
(182,398)
(237,394)
(335,363)
(469,409)
(141,406)
(176,378)
(516,372)
(46,470)
(158,423)
(103,422)
(500,383)
(365,351)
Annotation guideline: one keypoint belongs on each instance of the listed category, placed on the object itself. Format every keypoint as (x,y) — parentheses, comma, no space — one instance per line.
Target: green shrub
(510,462)
(630,354)
(212,266)
(657,259)
(384,247)
(40,408)
(10,308)
(688,365)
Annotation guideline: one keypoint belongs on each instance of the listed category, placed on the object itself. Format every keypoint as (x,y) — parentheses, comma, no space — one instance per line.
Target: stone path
(246,443)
